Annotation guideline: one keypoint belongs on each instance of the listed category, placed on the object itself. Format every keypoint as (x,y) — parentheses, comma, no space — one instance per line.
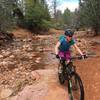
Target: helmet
(69,33)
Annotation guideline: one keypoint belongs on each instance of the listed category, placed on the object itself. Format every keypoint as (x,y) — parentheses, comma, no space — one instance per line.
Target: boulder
(5,93)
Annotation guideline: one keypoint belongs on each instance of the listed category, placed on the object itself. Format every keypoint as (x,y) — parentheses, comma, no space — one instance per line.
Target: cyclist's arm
(78,49)
(56,47)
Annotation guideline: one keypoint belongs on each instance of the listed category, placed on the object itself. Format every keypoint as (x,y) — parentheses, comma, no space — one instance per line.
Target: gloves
(57,56)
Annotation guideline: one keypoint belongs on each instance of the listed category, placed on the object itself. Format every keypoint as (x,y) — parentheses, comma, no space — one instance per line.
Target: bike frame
(70,72)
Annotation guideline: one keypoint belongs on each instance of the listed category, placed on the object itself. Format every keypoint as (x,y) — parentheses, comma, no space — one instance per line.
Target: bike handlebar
(79,57)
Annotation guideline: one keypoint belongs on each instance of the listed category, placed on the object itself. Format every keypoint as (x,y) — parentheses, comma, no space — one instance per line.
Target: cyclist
(62,48)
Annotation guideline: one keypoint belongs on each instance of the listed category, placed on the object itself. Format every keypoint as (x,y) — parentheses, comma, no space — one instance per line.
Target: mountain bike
(67,71)
(75,85)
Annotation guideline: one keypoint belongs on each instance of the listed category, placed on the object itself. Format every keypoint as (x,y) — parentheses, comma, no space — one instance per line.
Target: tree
(67,18)
(76,19)
(53,9)
(90,14)
(59,16)
(6,17)
(36,14)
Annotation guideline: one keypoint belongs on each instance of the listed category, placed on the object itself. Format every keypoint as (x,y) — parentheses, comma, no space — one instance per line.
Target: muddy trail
(28,70)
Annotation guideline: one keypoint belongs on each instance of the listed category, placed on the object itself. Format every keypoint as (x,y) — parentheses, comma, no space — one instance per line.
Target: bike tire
(61,74)
(61,78)
(73,94)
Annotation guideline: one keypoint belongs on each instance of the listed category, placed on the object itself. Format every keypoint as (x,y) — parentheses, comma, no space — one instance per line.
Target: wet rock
(20,68)
(5,93)
(30,57)
(6,53)
(16,70)
(38,60)
(29,40)
(1,56)
(17,40)
(8,64)
(29,49)
(34,54)
(4,63)
(26,46)
(24,40)
(26,57)
(12,56)
(40,49)
(35,75)
(95,42)
(17,51)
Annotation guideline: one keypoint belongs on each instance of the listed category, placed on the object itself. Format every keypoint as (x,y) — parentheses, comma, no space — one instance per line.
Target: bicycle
(68,72)
(75,85)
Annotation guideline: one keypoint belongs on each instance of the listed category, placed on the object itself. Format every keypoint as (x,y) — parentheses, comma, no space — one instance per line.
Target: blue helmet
(69,33)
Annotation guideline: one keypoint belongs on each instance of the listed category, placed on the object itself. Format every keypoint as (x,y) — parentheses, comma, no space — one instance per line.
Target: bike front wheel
(75,88)
(61,74)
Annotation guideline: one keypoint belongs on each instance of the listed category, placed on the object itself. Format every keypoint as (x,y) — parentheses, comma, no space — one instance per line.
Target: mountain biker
(62,48)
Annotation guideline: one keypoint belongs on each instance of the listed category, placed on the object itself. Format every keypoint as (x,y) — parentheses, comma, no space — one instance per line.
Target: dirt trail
(46,86)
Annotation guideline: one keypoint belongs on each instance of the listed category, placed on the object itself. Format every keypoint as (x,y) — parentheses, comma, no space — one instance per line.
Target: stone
(12,56)
(34,54)
(40,49)
(5,93)
(30,57)
(29,49)
(35,75)
(24,40)
(6,53)
(4,63)
(17,51)
(1,56)
(38,60)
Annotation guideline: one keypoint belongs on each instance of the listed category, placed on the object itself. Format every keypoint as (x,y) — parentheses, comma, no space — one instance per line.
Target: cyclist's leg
(62,55)
(61,68)
(68,56)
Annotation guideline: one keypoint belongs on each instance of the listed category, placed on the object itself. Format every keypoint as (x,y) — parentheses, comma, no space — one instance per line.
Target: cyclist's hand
(57,56)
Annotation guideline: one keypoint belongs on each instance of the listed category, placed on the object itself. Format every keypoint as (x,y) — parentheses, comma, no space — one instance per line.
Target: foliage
(36,15)
(90,14)
(31,14)
(6,17)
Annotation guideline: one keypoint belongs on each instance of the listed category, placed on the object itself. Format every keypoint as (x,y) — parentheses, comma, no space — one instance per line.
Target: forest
(38,15)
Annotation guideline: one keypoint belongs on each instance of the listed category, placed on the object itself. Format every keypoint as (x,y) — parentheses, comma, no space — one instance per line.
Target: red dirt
(88,69)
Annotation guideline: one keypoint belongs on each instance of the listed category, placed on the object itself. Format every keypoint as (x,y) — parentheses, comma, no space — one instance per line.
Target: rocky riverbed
(28,63)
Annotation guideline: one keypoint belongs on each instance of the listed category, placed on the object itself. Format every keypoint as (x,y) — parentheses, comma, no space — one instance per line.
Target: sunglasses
(69,35)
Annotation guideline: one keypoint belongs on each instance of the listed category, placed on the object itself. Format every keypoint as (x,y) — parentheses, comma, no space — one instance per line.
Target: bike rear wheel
(75,88)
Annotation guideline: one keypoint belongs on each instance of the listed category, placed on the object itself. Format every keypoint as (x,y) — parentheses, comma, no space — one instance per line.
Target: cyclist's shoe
(83,56)
(60,70)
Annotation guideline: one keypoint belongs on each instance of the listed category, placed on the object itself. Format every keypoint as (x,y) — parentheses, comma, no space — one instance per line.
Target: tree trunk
(96,31)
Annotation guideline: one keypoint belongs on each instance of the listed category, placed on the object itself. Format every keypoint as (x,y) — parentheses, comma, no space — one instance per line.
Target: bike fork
(70,89)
